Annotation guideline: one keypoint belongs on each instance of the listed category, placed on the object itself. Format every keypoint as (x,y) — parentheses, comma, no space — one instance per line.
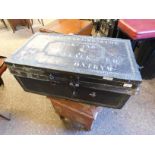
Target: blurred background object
(141,33)
(3,21)
(68,26)
(23,22)
(105,27)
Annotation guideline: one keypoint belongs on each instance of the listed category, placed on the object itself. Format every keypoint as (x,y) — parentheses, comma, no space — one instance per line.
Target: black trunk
(98,71)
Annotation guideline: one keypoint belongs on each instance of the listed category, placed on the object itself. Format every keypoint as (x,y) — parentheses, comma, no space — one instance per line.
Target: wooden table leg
(29,24)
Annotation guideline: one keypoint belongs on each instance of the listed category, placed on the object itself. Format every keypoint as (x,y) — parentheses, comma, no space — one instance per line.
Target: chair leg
(4,23)
(13,27)
(115,29)
(118,33)
(32,29)
(29,25)
(39,21)
(42,22)
(32,21)
(1,82)
(134,44)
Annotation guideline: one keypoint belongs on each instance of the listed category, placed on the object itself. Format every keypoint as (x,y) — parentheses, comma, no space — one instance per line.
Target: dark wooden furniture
(23,22)
(69,26)
(3,67)
(75,111)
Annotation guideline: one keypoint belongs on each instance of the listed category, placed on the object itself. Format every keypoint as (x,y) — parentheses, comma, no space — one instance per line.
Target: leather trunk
(92,70)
